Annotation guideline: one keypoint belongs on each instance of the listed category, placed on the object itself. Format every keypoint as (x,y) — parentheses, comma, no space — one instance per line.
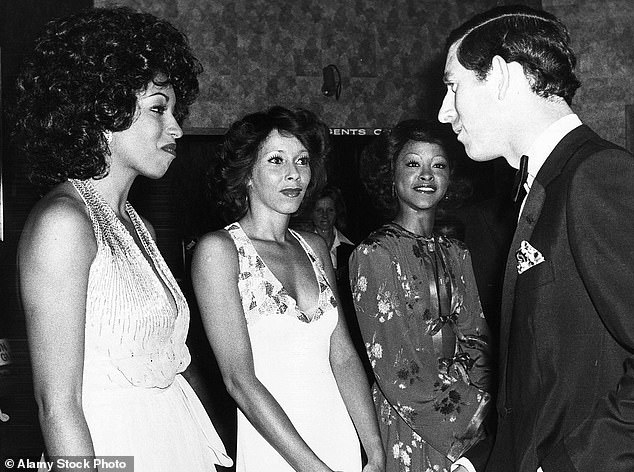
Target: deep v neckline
(142,233)
(311,314)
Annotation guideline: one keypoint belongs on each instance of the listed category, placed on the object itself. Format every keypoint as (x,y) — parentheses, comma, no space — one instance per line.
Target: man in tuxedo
(566,391)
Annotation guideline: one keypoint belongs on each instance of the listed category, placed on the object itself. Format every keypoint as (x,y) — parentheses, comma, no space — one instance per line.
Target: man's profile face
(469,107)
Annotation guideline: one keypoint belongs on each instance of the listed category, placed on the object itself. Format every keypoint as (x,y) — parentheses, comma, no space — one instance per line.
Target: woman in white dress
(99,104)
(268,299)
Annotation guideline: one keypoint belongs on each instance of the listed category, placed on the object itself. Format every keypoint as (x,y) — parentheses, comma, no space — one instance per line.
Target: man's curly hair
(379,157)
(245,138)
(83,79)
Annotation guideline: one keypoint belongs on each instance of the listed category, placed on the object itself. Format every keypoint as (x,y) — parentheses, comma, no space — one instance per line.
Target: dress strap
(87,193)
(244,247)
(309,250)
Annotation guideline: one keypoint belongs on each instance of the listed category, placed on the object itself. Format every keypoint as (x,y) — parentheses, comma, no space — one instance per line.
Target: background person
(566,394)
(418,308)
(99,104)
(268,298)
(328,212)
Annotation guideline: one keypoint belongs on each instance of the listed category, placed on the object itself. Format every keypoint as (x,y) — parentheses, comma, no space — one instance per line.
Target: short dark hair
(83,78)
(377,160)
(243,141)
(537,40)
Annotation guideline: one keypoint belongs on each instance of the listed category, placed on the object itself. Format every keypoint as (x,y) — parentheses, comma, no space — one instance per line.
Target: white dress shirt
(338,241)
(544,145)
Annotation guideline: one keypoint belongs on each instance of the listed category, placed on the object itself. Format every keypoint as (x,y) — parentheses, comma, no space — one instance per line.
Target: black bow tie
(519,192)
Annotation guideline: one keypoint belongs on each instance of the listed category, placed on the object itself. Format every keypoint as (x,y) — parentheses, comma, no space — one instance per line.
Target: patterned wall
(257,53)
(602,35)
(262,52)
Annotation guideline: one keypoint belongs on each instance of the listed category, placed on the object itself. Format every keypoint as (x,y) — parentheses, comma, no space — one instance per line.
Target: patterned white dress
(135,401)
(291,356)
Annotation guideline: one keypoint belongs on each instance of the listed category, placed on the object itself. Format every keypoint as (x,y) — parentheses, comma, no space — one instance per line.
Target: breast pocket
(536,276)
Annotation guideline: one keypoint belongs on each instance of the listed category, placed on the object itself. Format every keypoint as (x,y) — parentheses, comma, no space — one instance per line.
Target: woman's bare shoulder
(216,247)
(60,214)
(315,241)
(57,228)
(215,241)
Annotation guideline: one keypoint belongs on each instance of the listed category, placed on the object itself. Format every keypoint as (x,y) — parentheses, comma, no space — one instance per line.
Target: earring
(108,136)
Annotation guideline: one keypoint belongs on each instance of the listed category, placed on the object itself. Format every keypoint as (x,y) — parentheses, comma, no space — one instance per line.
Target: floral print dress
(431,365)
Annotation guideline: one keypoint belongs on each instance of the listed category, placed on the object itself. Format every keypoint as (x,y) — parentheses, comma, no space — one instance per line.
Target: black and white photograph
(317,235)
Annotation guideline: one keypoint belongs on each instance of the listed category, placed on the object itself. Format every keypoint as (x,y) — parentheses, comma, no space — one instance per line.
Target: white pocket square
(527,257)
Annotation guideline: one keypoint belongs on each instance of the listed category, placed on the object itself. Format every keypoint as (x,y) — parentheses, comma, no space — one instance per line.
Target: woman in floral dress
(418,309)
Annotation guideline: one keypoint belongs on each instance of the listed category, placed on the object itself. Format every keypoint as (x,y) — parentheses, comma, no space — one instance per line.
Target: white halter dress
(135,401)
(291,352)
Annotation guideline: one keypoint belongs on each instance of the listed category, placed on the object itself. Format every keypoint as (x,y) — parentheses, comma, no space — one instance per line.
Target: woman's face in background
(421,176)
(324,214)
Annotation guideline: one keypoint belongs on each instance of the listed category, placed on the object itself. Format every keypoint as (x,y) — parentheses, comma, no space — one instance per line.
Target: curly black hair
(537,40)
(83,79)
(378,158)
(244,139)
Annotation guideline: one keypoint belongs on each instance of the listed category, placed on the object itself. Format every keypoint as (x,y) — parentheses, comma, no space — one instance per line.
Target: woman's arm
(55,252)
(215,279)
(350,375)
(472,324)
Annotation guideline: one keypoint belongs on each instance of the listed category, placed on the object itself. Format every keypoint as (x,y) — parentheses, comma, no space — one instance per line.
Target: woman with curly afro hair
(269,303)
(100,103)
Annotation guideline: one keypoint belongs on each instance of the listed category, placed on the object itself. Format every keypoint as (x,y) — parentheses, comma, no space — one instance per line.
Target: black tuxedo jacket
(566,396)
(489,227)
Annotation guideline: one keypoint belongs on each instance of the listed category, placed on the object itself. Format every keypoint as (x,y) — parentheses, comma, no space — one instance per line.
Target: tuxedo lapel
(562,153)
(526,224)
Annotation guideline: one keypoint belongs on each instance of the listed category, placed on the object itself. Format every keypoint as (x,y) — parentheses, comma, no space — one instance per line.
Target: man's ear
(500,72)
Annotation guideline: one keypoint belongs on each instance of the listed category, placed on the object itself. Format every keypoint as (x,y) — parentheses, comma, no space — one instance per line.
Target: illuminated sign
(356,131)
